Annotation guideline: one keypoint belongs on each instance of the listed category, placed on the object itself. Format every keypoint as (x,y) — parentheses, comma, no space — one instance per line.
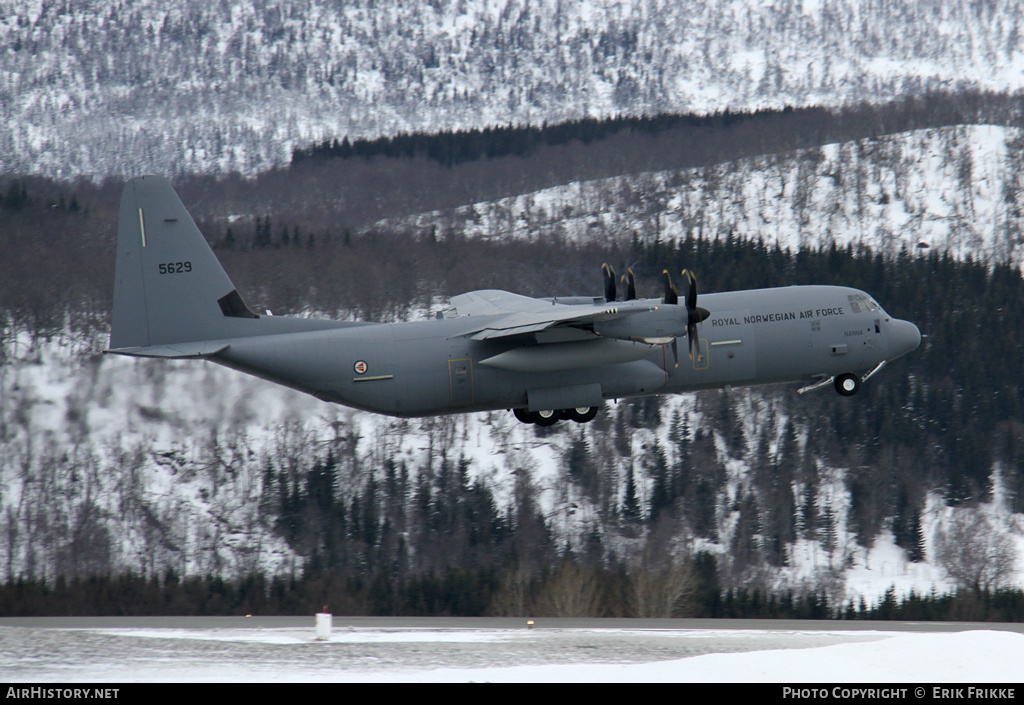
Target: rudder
(169,287)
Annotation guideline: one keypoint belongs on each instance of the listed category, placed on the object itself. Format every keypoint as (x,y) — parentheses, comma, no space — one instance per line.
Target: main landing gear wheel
(582,414)
(847,384)
(547,417)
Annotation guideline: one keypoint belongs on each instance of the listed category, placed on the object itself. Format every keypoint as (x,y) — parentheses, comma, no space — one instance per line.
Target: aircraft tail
(169,287)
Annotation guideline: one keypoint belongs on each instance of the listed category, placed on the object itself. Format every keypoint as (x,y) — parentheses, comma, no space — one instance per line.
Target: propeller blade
(675,351)
(695,314)
(630,285)
(671,295)
(609,282)
(691,289)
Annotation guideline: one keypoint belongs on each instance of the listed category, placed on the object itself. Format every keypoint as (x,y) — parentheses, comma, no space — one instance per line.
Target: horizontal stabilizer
(177,351)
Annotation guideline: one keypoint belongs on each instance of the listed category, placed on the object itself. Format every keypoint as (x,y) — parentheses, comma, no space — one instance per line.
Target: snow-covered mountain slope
(956,189)
(111,86)
(102,465)
(119,464)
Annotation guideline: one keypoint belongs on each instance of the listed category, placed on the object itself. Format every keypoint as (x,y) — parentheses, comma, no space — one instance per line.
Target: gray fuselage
(420,368)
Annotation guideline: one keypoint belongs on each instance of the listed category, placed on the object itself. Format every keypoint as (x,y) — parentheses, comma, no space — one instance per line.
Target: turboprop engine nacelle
(659,326)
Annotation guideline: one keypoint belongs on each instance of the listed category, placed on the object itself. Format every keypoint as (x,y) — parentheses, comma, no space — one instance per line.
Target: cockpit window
(861,303)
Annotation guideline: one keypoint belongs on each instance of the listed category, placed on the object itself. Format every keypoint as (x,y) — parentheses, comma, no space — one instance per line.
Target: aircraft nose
(904,337)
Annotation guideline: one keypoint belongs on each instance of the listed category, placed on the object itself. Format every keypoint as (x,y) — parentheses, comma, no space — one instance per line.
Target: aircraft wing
(493,302)
(503,314)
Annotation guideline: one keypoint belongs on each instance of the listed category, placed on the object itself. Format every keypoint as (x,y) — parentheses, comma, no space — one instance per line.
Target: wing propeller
(694,313)
(659,325)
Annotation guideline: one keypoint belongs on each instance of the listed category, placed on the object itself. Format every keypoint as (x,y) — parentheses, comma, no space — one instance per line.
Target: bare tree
(572,591)
(661,584)
(513,599)
(661,591)
(975,554)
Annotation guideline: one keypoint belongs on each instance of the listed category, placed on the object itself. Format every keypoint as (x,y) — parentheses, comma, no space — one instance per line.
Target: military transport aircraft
(544,359)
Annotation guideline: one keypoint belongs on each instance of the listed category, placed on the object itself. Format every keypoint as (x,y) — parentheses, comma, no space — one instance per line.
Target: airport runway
(340,622)
(145,649)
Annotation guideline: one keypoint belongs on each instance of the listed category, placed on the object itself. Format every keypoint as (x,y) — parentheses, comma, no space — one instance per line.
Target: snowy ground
(816,654)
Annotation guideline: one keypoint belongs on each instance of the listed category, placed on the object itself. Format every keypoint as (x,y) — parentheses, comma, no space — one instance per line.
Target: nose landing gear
(847,384)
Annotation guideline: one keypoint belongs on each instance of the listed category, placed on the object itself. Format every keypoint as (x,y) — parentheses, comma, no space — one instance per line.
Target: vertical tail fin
(169,286)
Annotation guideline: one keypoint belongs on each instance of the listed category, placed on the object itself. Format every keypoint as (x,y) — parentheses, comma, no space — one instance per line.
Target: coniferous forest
(434,539)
